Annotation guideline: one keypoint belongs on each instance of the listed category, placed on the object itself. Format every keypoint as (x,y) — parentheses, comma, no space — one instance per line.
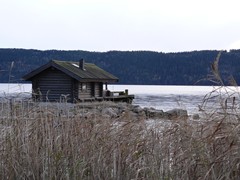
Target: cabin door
(93,89)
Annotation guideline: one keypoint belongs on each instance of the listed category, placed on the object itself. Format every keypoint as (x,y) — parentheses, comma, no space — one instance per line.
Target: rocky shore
(123,110)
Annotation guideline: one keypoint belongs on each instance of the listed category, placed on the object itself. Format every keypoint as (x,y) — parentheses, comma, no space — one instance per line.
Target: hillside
(132,67)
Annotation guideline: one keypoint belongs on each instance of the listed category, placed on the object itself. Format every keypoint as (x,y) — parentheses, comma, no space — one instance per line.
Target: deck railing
(116,93)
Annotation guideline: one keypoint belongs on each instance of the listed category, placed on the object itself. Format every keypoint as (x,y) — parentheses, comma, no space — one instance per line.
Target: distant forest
(131,67)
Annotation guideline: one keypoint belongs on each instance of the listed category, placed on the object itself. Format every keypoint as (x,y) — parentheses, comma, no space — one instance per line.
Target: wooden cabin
(69,81)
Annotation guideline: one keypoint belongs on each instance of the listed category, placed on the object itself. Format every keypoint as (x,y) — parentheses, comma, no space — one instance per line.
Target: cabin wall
(84,90)
(98,89)
(75,90)
(90,90)
(52,84)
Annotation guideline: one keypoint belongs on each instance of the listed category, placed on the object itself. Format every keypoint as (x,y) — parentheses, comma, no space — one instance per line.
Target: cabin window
(84,87)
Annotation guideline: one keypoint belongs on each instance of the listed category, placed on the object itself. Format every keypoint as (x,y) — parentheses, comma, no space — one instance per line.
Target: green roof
(90,72)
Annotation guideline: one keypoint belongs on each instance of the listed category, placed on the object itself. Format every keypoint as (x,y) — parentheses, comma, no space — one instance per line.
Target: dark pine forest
(131,67)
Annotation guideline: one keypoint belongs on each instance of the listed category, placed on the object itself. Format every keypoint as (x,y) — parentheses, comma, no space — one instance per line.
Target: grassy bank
(56,141)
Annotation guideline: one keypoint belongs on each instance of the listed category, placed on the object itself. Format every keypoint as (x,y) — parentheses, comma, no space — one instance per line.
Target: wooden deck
(115,96)
(120,98)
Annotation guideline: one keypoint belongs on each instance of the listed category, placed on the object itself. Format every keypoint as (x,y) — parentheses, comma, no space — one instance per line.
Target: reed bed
(55,141)
(59,141)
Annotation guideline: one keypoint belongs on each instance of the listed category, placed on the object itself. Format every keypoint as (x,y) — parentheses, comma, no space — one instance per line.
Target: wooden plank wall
(93,90)
(84,93)
(75,90)
(53,85)
(98,89)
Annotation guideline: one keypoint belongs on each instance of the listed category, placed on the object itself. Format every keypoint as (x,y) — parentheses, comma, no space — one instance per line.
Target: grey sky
(103,25)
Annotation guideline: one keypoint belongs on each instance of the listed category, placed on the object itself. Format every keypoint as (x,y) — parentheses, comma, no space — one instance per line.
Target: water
(159,97)
(167,97)
(189,98)
(8,88)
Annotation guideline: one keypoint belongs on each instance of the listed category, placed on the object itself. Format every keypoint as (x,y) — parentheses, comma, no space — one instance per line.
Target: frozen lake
(159,97)
(167,97)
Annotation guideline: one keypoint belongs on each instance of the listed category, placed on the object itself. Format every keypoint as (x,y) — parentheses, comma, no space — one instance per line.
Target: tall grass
(62,141)
(53,141)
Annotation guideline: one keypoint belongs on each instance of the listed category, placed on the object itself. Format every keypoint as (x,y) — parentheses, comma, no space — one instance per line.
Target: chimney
(81,65)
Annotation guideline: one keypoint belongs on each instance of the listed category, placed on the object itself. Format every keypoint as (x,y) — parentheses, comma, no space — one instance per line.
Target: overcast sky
(103,25)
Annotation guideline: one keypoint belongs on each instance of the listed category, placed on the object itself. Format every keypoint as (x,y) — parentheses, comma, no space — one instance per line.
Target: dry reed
(57,141)
(49,141)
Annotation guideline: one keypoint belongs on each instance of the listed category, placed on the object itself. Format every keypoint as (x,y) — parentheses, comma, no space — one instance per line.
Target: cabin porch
(115,96)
